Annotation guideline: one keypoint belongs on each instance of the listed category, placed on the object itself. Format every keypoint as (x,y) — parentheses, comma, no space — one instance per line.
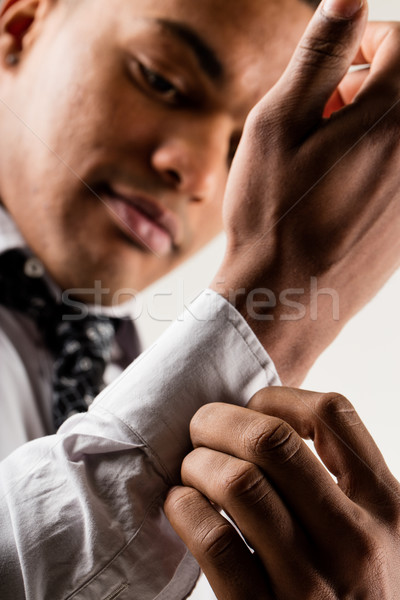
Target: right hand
(310,196)
(315,537)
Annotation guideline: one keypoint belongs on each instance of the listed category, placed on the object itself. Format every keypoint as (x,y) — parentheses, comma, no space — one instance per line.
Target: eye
(160,84)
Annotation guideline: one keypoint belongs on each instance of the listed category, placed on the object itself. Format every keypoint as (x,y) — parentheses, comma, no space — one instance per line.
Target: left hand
(313,538)
(312,200)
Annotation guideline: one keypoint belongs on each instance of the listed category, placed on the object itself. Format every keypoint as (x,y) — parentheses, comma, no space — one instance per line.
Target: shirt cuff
(209,354)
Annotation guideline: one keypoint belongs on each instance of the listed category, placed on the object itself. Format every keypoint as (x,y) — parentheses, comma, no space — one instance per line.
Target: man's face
(119,123)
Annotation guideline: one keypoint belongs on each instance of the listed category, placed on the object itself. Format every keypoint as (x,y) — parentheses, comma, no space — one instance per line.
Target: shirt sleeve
(81,511)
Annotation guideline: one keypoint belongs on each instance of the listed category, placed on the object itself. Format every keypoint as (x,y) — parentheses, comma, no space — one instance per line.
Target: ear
(16,19)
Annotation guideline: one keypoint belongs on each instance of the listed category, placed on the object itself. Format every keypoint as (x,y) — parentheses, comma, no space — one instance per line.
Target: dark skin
(173,117)
(313,538)
(334,220)
(346,233)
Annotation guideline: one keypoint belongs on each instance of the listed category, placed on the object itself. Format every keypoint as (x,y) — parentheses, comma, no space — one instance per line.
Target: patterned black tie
(81,345)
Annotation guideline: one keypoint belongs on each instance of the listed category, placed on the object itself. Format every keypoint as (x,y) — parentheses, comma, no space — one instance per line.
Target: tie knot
(24,287)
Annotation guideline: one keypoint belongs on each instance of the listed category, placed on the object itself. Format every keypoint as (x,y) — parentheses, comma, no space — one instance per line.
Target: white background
(364,361)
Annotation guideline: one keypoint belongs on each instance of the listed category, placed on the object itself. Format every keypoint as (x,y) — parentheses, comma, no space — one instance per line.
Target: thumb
(322,59)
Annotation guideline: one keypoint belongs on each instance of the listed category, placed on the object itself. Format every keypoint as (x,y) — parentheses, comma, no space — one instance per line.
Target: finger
(346,92)
(244,492)
(303,483)
(233,572)
(340,437)
(321,60)
(380,46)
(375,92)
(352,83)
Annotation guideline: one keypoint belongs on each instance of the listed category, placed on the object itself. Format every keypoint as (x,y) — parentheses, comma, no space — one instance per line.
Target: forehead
(252,40)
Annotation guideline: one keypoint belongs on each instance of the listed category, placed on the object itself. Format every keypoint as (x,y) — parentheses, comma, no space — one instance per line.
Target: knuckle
(275,438)
(331,405)
(216,541)
(315,51)
(244,483)
(388,507)
(257,126)
(371,564)
(369,554)
(181,502)
(366,538)
(265,128)
(257,119)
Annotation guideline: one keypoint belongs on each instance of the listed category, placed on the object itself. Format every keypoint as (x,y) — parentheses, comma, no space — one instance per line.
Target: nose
(193,159)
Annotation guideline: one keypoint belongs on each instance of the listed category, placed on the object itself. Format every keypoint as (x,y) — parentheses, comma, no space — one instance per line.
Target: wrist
(294,323)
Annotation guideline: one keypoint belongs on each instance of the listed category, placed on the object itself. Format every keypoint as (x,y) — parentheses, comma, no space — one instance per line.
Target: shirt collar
(10,236)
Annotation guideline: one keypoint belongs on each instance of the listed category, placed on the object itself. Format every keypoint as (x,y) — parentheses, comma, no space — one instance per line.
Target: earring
(12,59)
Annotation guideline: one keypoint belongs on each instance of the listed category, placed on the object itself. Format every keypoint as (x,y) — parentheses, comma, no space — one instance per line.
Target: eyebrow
(206,56)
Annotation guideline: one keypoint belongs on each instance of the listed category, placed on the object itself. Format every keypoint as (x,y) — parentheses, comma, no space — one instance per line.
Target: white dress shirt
(81,511)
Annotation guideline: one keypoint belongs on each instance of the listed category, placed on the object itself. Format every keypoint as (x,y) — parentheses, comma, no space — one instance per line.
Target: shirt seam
(117,555)
(167,476)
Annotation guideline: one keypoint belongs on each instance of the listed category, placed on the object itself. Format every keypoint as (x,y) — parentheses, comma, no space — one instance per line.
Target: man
(96,488)
(165,151)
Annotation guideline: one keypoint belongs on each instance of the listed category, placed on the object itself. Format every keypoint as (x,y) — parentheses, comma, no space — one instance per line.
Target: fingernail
(344,9)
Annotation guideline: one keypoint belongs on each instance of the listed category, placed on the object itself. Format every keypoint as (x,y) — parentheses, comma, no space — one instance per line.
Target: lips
(143,219)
